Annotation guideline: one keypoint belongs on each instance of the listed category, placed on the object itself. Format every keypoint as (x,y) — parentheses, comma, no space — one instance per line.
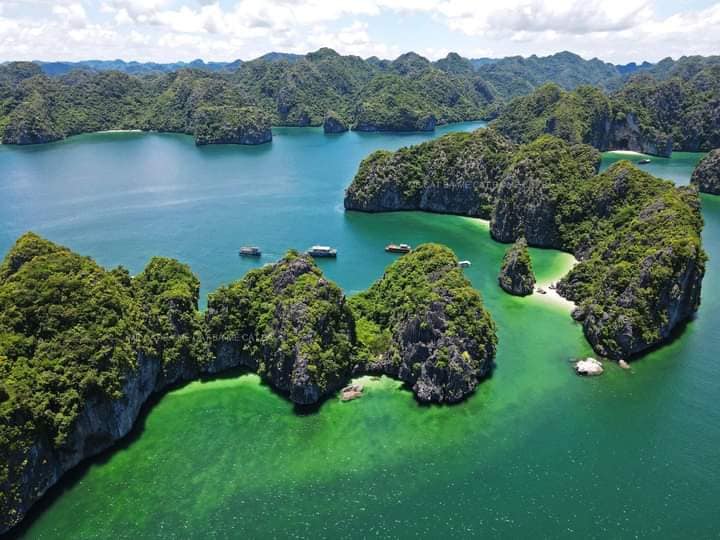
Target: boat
(322,251)
(464,264)
(250,251)
(395,248)
(644,161)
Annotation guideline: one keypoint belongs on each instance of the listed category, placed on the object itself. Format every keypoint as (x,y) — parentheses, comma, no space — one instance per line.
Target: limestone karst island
(368,269)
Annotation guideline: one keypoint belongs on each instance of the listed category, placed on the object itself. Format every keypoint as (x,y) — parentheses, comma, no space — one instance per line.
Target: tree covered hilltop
(654,108)
(83,348)
(637,237)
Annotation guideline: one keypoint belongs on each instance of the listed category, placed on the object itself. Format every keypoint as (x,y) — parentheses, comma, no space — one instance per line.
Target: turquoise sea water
(536,452)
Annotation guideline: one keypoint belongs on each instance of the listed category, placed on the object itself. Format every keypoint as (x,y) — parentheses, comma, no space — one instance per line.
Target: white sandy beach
(551,296)
(626,152)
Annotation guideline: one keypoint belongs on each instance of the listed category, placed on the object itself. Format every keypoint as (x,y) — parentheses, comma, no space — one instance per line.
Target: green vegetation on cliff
(73,337)
(465,167)
(645,114)
(67,334)
(516,272)
(706,176)
(638,237)
(424,323)
(231,125)
(67,330)
(289,323)
(643,259)
(672,104)
(168,293)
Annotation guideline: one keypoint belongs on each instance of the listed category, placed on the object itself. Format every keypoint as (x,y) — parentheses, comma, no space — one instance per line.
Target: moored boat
(464,264)
(398,248)
(322,251)
(250,251)
(644,161)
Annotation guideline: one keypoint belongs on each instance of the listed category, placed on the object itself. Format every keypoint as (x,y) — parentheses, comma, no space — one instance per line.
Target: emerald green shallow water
(536,452)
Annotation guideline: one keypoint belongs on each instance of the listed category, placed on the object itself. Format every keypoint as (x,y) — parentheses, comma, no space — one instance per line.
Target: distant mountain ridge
(134,67)
(410,93)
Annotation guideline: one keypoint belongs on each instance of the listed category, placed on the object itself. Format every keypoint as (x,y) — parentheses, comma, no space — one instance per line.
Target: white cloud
(165,30)
(71,14)
(562,16)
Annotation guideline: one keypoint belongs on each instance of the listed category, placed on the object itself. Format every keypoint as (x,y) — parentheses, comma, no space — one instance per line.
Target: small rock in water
(588,366)
(623,364)
(351,392)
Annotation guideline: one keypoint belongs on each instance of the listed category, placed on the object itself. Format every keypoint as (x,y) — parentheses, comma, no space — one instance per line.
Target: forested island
(672,105)
(83,348)
(637,237)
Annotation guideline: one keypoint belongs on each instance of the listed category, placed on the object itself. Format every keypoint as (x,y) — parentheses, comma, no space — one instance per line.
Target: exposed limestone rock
(334,124)
(706,176)
(516,274)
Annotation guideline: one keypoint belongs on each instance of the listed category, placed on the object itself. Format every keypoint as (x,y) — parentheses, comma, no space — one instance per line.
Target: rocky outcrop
(396,120)
(418,328)
(637,237)
(289,324)
(516,274)
(706,176)
(626,134)
(334,124)
(231,125)
(640,278)
(459,174)
(589,367)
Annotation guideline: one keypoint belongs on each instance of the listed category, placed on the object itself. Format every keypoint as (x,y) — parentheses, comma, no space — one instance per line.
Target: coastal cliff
(333,123)
(82,349)
(637,237)
(424,324)
(457,173)
(289,324)
(706,176)
(588,115)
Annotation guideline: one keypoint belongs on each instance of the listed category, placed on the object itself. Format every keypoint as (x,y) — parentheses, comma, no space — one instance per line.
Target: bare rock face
(706,175)
(626,134)
(100,424)
(516,274)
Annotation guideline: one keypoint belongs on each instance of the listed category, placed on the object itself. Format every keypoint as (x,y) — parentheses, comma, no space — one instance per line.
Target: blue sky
(170,30)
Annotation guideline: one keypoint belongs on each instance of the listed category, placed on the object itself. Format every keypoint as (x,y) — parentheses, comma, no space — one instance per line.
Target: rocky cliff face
(459,174)
(516,274)
(403,121)
(334,124)
(626,134)
(30,123)
(641,277)
(425,325)
(100,424)
(549,192)
(706,176)
(287,323)
(526,203)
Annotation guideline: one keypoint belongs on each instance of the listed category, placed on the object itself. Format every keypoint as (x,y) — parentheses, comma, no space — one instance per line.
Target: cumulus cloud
(561,16)
(165,30)
(71,14)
